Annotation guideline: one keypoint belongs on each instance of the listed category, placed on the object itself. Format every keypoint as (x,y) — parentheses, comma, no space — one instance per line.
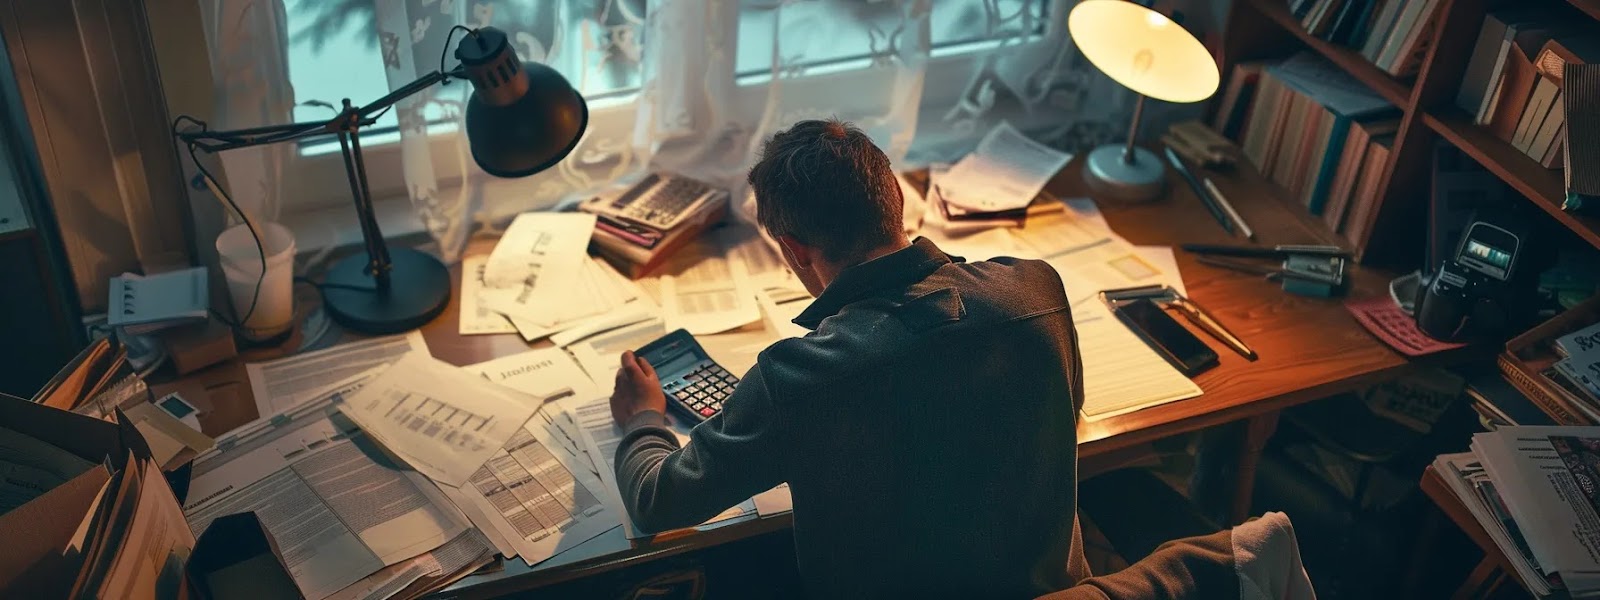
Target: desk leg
(1258,430)
(1483,581)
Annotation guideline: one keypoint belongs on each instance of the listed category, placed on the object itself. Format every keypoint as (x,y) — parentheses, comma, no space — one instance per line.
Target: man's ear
(800,255)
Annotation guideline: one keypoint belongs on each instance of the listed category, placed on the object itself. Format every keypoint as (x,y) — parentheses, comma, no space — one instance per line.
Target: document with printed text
(443,420)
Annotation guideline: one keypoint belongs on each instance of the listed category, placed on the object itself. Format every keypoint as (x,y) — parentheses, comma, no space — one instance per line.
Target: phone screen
(1177,345)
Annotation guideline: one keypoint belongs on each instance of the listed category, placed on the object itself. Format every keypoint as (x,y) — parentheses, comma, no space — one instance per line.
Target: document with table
(339,507)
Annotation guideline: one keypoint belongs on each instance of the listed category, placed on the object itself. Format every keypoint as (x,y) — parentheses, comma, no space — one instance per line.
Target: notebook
(144,304)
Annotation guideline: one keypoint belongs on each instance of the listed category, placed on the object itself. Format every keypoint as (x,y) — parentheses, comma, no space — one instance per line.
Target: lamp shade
(1143,50)
(522,118)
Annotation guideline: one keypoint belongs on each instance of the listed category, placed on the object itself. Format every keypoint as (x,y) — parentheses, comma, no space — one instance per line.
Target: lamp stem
(377,254)
(1133,130)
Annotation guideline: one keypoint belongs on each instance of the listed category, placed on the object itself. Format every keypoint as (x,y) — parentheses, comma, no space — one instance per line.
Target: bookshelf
(1349,60)
(1259,29)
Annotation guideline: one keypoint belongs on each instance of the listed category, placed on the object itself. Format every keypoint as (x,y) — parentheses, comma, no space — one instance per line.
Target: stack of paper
(540,281)
(1534,491)
(312,464)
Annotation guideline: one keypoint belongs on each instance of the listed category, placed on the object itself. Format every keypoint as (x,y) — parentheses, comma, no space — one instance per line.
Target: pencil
(1228,206)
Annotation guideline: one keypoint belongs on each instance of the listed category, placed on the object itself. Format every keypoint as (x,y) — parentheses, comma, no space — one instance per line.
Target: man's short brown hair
(826,185)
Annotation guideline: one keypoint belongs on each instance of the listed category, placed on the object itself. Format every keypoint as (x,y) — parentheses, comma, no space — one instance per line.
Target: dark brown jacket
(926,428)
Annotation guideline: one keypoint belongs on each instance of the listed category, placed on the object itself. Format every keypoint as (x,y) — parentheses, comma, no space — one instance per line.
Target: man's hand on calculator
(638,389)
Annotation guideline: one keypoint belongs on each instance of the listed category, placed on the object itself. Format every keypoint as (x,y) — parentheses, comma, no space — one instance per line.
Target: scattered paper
(762,264)
(778,312)
(1005,172)
(551,376)
(601,435)
(285,382)
(539,245)
(315,480)
(712,296)
(536,266)
(476,317)
(443,420)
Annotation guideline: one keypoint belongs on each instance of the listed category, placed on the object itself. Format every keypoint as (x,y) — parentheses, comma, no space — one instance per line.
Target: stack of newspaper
(1536,491)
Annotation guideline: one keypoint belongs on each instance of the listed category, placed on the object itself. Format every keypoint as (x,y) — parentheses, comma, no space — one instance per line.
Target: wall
(87,78)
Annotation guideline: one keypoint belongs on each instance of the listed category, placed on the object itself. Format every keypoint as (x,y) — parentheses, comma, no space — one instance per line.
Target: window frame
(320,183)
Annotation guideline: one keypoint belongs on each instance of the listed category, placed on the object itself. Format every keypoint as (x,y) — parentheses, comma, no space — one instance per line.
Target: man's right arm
(730,457)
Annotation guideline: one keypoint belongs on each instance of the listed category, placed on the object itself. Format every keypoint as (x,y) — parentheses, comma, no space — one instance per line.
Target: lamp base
(1110,177)
(419,289)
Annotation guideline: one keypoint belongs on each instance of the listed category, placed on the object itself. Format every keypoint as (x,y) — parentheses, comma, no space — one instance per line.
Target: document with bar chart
(442,420)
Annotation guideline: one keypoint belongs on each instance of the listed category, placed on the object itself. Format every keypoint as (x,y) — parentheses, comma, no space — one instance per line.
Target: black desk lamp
(522,118)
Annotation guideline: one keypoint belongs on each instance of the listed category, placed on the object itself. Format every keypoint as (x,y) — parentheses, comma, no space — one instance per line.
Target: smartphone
(1166,336)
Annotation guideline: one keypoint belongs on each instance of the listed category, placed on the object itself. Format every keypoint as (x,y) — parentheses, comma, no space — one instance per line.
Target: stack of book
(637,249)
(1578,371)
(1311,128)
(1534,491)
(1393,34)
(1513,80)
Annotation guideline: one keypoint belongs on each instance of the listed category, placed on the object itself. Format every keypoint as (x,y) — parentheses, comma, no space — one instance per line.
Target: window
(334,54)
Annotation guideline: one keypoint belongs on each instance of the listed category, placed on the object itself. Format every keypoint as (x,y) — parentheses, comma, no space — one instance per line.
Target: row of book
(1514,78)
(1532,489)
(1393,34)
(1316,131)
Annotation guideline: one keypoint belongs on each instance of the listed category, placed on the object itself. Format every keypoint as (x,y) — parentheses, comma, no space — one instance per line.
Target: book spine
(1330,164)
(1536,392)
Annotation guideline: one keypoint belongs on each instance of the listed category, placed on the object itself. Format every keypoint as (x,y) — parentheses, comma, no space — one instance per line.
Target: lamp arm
(410,89)
(219,141)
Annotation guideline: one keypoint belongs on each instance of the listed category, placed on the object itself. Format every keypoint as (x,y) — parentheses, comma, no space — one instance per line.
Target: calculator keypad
(702,390)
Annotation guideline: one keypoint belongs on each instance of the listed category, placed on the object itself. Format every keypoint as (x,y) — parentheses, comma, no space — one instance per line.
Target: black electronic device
(695,385)
(1481,290)
(1165,335)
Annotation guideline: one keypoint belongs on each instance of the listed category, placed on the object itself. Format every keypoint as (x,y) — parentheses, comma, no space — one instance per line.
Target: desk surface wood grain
(1309,347)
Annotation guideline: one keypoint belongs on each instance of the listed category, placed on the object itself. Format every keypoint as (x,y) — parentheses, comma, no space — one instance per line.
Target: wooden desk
(1310,348)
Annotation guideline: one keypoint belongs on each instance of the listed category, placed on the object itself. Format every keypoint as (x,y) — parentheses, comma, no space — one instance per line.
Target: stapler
(1306,270)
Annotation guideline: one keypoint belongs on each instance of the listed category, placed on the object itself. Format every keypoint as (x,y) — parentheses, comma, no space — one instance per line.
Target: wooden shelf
(1544,187)
(1590,7)
(1352,62)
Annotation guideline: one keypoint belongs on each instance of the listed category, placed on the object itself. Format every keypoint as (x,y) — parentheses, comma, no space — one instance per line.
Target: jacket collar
(896,270)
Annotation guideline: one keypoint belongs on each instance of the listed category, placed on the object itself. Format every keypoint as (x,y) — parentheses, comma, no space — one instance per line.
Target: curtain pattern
(696,85)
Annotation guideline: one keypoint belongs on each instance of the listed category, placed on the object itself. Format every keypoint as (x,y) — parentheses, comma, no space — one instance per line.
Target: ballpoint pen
(1200,191)
(1202,319)
(1244,228)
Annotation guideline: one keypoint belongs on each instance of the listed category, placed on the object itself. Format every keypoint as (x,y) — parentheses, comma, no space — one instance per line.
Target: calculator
(660,200)
(694,384)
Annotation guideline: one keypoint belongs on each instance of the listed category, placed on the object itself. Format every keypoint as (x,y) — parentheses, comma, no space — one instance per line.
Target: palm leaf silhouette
(331,17)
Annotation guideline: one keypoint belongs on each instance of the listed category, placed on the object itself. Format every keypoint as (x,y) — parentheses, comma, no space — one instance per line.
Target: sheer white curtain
(695,85)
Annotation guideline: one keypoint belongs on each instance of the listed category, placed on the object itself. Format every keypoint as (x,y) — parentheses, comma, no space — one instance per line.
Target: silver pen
(1244,228)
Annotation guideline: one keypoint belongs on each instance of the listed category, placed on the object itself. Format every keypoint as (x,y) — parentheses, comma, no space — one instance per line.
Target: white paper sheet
(1120,373)
(551,376)
(601,437)
(443,420)
(537,263)
(762,264)
(540,245)
(779,311)
(602,299)
(314,479)
(285,382)
(476,317)
(1005,172)
(774,501)
(539,503)
(712,296)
